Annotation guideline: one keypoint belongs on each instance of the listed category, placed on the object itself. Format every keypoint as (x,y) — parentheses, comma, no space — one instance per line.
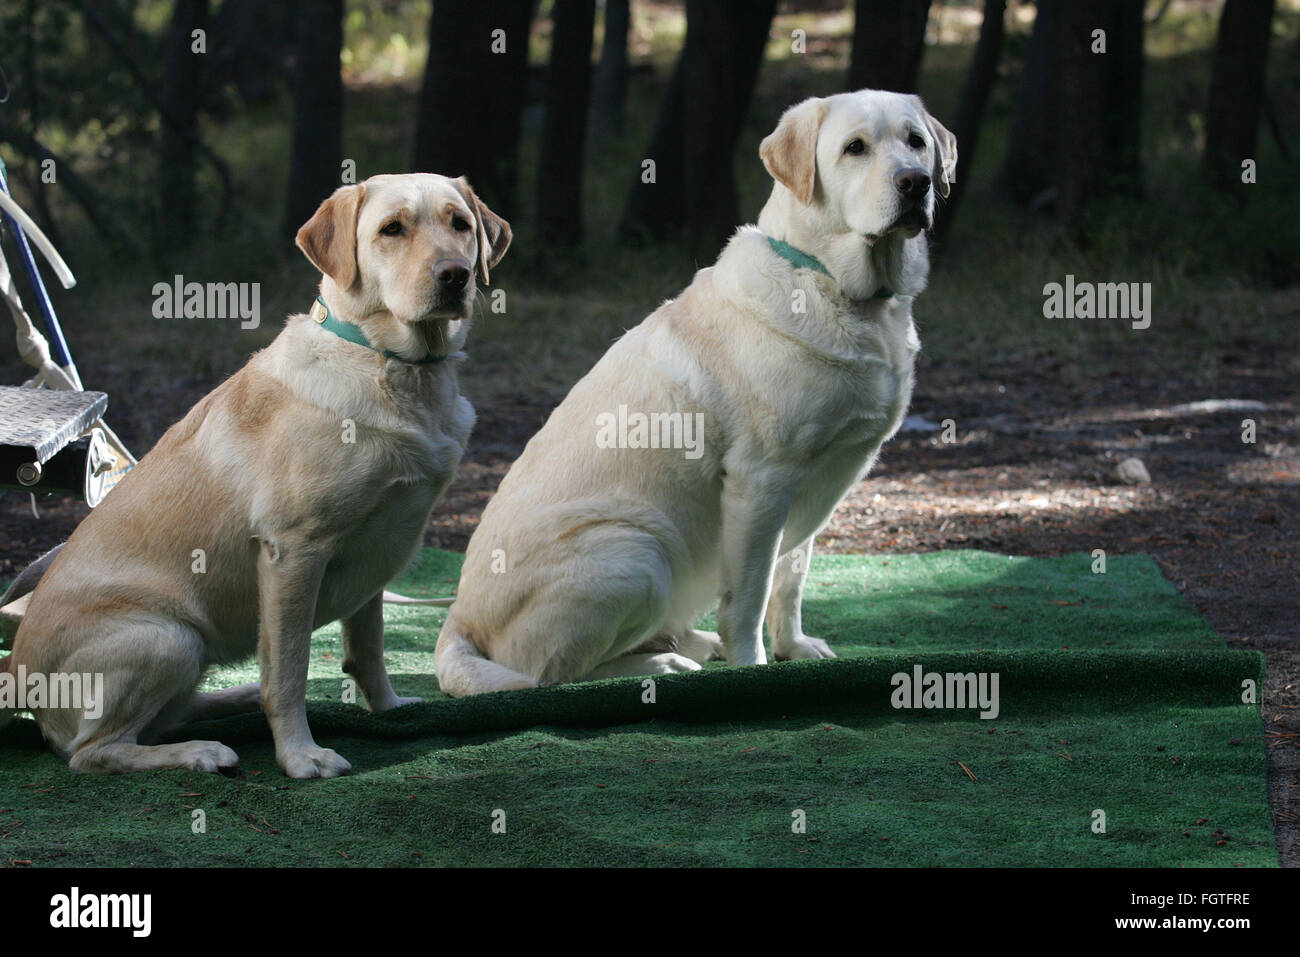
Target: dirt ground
(1031,472)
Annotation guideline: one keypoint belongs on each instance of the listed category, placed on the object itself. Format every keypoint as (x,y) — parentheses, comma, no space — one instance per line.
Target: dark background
(1122,166)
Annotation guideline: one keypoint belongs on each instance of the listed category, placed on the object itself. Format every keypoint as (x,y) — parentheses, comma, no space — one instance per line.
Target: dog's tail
(30,577)
(462,669)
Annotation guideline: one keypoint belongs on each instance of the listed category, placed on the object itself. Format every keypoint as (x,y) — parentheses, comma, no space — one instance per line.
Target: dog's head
(871,159)
(410,246)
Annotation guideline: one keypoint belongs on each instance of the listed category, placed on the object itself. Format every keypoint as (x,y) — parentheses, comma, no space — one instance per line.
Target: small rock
(1132,472)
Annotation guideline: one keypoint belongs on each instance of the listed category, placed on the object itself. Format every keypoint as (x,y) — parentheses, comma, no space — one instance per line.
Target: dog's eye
(916,141)
(459,224)
(855,147)
(391,229)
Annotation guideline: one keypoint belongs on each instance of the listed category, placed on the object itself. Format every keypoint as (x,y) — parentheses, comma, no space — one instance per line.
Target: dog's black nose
(451,275)
(912,182)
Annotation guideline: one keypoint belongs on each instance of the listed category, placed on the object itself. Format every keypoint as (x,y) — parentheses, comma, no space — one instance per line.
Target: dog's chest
(863,399)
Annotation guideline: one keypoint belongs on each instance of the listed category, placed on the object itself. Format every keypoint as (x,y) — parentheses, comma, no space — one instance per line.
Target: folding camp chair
(53,438)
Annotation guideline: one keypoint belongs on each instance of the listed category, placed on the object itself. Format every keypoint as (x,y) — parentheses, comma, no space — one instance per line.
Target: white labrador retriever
(285,499)
(699,457)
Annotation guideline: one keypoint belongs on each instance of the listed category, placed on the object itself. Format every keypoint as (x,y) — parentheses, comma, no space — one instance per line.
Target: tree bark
(656,209)
(1236,90)
(1028,171)
(473,94)
(564,129)
(181,95)
(317,152)
(725,42)
(1075,135)
(888,40)
(611,75)
(970,113)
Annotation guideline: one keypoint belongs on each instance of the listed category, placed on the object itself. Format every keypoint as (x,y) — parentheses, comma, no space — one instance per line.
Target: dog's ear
(945,151)
(790,151)
(494,233)
(329,238)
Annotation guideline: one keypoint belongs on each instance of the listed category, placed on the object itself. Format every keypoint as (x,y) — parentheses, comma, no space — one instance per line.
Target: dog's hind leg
(363,656)
(207,706)
(147,670)
(665,663)
(699,646)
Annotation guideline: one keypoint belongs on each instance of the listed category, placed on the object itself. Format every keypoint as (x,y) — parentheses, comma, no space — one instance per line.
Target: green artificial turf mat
(1114,696)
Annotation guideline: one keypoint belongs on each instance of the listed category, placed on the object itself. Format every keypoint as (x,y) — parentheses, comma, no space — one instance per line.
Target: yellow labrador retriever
(699,457)
(286,499)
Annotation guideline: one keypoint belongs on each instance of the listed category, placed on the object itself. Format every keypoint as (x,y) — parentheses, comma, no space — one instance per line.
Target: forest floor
(1031,473)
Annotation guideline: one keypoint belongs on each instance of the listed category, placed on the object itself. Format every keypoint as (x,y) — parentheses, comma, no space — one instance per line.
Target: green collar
(801,260)
(346,330)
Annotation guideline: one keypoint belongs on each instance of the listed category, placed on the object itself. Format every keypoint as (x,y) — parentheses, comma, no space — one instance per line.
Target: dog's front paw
(314,762)
(803,647)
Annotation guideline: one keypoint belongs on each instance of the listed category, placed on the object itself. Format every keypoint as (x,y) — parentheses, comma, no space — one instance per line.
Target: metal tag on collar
(318,312)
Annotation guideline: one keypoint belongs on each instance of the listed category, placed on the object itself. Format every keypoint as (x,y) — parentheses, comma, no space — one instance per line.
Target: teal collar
(346,330)
(801,260)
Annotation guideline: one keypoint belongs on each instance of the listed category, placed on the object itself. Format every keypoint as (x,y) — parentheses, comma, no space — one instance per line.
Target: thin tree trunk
(970,113)
(473,93)
(656,206)
(317,152)
(1028,171)
(611,76)
(564,130)
(888,40)
(1236,90)
(96,22)
(725,42)
(1081,160)
(181,96)
(1123,98)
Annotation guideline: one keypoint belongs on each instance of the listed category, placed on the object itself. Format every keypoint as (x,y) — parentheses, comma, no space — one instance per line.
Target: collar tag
(321,314)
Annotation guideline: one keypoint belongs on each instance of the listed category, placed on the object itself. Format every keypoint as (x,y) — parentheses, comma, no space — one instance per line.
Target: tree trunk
(1074,138)
(888,40)
(253,39)
(611,76)
(1123,104)
(182,92)
(1028,171)
(564,129)
(473,96)
(1079,122)
(970,113)
(656,207)
(725,42)
(317,152)
(1236,90)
